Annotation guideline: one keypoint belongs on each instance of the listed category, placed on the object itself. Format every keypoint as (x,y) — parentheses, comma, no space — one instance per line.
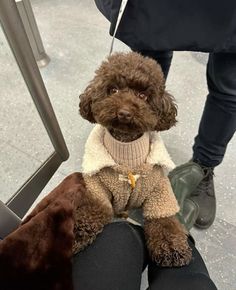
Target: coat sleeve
(104,6)
(98,190)
(161,201)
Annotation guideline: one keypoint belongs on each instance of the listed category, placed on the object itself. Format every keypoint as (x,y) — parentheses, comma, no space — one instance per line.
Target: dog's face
(128,94)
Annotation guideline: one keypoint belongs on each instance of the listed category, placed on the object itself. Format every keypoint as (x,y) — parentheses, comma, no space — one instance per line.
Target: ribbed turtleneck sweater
(131,153)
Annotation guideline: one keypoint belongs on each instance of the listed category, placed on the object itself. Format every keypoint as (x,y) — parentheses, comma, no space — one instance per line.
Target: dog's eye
(114,90)
(142,96)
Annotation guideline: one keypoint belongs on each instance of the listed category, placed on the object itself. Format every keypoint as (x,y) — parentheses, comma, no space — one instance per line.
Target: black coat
(200,25)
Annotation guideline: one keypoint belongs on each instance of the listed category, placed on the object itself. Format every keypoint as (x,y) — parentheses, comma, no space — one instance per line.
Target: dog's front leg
(91,216)
(167,242)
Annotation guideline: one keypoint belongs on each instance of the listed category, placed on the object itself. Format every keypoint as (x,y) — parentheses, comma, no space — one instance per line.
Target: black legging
(218,122)
(116,260)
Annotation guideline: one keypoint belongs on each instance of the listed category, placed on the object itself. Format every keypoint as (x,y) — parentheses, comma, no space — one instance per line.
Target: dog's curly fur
(128,84)
(166,242)
(91,217)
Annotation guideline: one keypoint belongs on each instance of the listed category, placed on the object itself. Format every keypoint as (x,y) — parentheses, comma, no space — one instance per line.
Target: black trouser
(116,259)
(218,122)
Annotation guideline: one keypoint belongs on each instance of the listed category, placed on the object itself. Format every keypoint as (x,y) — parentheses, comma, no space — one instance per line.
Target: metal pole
(22,200)
(19,43)
(31,29)
(9,221)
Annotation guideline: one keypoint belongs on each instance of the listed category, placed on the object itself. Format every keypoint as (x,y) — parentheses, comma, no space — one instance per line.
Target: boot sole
(204,227)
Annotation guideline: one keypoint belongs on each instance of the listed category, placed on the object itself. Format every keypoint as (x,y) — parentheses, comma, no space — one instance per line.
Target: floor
(75,36)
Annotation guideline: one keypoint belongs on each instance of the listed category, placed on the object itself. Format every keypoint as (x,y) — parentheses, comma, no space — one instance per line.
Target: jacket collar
(96,156)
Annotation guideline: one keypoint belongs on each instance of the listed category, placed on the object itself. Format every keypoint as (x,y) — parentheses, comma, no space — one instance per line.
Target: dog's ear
(167,109)
(85,104)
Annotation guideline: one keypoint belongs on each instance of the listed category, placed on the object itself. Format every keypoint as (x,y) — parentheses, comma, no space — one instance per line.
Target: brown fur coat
(37,255)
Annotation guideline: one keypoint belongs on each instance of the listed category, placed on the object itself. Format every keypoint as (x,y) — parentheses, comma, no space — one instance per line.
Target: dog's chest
(128,188)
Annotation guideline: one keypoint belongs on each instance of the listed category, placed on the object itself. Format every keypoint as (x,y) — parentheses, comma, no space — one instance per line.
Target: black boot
(204,197)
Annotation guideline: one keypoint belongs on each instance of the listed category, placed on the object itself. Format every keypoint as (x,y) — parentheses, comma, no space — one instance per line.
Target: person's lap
(114,261)
(117,258)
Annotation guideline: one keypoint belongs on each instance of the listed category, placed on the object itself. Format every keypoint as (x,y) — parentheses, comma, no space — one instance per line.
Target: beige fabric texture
(109,182)
(131,154)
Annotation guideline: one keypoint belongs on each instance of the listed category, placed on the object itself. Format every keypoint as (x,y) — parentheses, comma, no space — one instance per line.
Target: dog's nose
(124,115)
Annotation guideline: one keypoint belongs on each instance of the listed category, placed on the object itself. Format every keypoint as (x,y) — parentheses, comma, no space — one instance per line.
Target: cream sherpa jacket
(113,184)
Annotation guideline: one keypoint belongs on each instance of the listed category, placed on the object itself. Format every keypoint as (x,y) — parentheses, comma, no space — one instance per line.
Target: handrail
(15,33)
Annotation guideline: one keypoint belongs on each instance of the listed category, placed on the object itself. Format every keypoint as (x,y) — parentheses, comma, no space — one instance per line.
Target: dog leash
(120,14)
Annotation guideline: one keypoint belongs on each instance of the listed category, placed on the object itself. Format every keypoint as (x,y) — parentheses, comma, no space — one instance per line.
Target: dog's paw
(167,242)
(170,255)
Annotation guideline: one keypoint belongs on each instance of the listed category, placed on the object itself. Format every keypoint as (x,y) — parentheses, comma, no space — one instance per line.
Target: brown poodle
(127,98)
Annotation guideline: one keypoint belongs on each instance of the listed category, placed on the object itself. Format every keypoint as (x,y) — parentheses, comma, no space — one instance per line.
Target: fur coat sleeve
(161,202)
